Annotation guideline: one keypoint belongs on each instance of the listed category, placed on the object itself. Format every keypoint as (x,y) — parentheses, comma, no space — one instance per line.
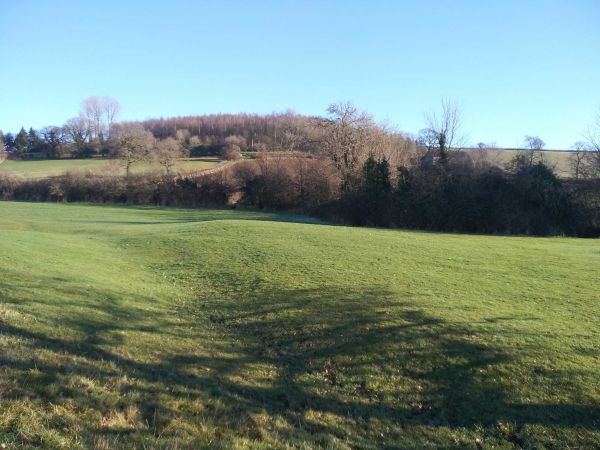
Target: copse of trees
(95,132)
(84,136)
(91,133)
(522,199)
(348,137)
(278,131)
(446,189)
(443,131)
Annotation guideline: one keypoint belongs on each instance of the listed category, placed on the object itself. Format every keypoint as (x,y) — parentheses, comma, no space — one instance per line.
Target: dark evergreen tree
(21,142)
(52,141)
(376,190)
(9,141)
(34,143)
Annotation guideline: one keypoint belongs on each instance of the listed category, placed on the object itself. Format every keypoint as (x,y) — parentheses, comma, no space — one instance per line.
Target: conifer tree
(21,142)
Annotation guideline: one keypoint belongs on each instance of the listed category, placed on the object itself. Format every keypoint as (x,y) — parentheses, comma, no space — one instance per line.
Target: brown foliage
(231,152)
(166,152)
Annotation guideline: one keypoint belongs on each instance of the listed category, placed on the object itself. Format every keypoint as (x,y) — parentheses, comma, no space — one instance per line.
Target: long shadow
(319,349)
(307,328)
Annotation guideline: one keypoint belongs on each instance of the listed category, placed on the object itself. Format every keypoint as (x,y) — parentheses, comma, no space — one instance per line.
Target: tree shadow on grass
(332,365)
(306,331)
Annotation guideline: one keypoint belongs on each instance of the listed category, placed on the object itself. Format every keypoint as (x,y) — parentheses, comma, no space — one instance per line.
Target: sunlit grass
(172,328)
(46,168)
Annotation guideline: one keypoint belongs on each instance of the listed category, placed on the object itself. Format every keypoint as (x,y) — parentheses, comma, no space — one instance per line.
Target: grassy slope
(124,327)
(559,160)
(46,168)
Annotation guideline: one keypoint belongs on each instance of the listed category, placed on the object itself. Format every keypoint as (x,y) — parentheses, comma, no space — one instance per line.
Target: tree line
(83,136)
(97,132)
(92,133)
(350,169)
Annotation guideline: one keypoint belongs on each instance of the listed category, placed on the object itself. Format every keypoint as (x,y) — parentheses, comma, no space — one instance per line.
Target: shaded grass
(157,328)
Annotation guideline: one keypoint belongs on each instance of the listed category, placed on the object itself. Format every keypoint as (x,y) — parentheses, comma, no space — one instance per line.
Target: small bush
(231,152)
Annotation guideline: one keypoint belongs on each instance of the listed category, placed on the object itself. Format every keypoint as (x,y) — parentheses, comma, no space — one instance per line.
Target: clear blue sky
(517,67)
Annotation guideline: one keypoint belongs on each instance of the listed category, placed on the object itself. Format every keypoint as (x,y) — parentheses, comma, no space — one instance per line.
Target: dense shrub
(206,150)
(459,196)
(147,189)
(231,152)
(371,202)
(301,184)
(8,185)
(586,195)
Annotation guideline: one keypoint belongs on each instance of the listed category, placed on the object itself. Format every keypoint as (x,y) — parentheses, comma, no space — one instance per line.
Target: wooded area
(344,167)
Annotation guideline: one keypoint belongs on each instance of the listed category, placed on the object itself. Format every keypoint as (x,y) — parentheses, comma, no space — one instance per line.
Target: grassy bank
(149,328)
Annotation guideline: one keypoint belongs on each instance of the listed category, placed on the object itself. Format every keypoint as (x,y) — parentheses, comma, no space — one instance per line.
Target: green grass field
(47,168)
(558,160)
(125,327)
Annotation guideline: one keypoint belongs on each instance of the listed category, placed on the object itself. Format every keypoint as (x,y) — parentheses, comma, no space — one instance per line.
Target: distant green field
(46,168)
(124,327)
(558,160)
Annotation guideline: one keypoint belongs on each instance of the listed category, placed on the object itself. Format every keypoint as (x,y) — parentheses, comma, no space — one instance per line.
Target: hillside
(52,167)
(559,160)
(131,327)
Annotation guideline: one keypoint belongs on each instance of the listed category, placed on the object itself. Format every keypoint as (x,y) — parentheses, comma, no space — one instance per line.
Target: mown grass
(47,168)
(169,328)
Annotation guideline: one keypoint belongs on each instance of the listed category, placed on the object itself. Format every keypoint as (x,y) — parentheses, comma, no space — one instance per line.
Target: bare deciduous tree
(112,109)
(578,159)
(183,136)
(486,155)
(231,152)
(133,143)
(167,152)
(592,133)
(77,131)
(293,133)
(349,136)
(534,143)
(533,146)
(443,129)
(93,111)
(101,113)
(53,138)
(383,142)
(428,139)
(592,137)
(345,139)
